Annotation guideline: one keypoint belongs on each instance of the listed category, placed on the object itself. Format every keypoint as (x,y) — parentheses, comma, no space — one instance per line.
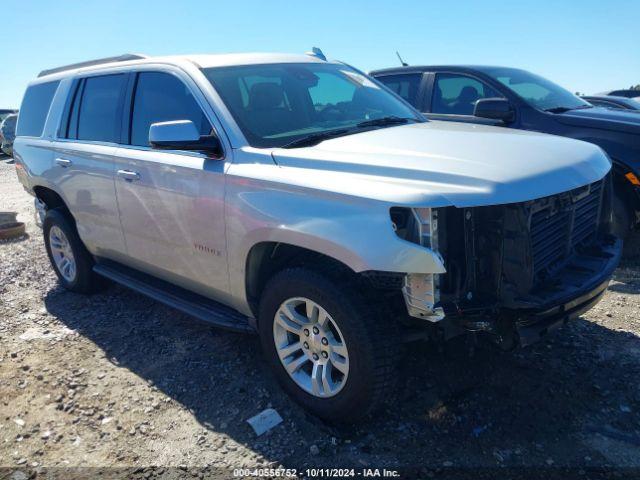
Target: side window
(161,97)
(35,108)
(457,94)
(406,85)
(96,114)
(603,103)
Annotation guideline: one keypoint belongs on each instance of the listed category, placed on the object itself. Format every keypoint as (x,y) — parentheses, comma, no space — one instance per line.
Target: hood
(445,163)
(602,118)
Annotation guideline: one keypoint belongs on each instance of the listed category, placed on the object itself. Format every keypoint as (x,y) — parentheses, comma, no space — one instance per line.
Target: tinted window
(405,85)
(275,104)
(536,90)
(98,110)
(35,107)
(161,97)
(604,103)
(457,94)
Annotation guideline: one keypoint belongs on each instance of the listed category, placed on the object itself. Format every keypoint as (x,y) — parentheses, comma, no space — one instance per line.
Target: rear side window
(96,110)
(34,109)
(405,85)
(161,97)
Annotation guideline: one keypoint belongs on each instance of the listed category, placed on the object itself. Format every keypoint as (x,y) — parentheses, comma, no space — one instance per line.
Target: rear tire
(70,259)
(353,323)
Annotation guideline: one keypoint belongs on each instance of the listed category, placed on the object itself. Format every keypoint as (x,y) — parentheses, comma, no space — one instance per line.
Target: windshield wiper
(316,138)
(566,109)
(384,121)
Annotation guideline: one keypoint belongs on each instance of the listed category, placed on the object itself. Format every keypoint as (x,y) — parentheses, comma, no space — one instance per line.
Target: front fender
(357,232)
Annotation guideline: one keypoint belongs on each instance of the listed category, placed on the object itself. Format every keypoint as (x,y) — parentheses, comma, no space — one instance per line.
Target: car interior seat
(466,101)
(267,111)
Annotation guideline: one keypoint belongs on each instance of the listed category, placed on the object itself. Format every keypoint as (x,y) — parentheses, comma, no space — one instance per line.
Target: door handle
(129,175)
(63,162)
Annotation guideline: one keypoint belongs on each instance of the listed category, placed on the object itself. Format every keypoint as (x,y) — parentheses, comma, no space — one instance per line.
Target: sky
(586,46)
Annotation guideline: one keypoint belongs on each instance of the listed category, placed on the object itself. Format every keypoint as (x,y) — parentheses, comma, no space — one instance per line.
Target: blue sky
(586,46)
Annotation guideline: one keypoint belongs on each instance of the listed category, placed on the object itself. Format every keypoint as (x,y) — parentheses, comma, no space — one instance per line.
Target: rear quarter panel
(34,155)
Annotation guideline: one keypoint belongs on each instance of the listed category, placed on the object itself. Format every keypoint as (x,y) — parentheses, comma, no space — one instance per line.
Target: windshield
(277,104)
(537,91)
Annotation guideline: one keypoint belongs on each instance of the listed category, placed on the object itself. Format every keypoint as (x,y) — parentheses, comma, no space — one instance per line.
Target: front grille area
(561,223)
(504,253)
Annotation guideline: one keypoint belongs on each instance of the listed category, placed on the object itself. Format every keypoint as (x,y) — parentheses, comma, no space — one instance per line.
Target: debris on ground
(265,421)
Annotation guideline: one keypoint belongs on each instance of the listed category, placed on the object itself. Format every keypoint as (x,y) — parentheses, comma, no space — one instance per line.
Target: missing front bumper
(538,326)
(568,303)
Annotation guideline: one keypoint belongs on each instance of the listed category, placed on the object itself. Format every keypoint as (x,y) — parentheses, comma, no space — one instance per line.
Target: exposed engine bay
(517,270)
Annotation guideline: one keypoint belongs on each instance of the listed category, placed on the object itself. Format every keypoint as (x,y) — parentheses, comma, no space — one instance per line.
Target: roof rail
(119,58)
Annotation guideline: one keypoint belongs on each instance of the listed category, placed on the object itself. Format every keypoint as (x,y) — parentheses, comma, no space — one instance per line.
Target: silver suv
(300,199)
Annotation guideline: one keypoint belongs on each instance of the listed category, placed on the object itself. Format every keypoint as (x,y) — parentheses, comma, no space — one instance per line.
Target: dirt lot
(118,380)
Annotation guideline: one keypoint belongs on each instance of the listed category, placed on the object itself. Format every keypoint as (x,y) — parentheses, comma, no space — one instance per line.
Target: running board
(188,302)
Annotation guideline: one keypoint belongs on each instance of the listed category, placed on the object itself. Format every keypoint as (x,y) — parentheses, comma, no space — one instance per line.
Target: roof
(621,92)
(632,102)
(230,59)
(603,97)
(424,68)
(201,61)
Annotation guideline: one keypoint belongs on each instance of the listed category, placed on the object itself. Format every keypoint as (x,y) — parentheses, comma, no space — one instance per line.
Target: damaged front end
(517,271)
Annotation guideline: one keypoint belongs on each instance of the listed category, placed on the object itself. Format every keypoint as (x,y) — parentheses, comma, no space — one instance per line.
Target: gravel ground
(118,380)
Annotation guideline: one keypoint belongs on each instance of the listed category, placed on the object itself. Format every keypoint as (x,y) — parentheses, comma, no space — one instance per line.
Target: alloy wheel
(311,347)
(62,253)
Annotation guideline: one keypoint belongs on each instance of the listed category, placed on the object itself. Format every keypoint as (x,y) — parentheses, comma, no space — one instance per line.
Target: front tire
(69,257)
(330,347)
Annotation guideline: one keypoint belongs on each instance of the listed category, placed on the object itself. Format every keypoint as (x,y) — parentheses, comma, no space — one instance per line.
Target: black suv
(520,99)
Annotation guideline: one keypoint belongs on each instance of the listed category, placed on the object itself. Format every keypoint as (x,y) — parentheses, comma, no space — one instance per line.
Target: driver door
(453,98)
(171,203)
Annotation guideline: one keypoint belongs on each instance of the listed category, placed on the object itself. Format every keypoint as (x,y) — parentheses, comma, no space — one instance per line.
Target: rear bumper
(576,292)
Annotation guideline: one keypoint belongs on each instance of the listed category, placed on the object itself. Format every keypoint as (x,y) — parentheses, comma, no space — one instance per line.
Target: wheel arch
(621,183)
(267,258)
(51,199)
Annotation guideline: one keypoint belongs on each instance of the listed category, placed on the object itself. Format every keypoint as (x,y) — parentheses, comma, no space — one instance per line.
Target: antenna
(404,64)
(316,52)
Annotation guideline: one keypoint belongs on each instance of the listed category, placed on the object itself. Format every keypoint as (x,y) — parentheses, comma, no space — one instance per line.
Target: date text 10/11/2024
(317,473)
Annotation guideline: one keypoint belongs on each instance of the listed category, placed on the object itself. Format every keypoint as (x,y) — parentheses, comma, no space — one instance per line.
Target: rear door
(84,160)
(171,202)
(409,86)
(453,96)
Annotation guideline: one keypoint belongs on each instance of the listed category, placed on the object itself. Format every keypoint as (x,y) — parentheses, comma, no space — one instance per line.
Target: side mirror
(494,109)
(182,135)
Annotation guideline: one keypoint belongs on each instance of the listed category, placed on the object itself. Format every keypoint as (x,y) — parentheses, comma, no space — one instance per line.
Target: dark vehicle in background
(628,93)
(8,133)
(4,112)
(610,101)
(519,99)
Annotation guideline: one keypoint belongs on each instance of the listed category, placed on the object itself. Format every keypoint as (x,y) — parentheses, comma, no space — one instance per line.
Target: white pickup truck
(300,199)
